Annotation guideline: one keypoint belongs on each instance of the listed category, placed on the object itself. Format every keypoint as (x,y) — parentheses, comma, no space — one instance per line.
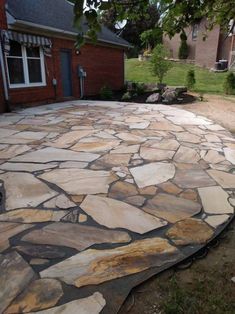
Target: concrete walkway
(99,196)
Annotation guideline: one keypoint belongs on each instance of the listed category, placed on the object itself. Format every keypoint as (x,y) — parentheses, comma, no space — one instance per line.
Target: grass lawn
(206,81)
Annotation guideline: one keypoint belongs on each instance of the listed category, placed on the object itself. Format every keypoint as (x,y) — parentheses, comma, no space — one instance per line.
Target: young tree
(183,50)
(159,63)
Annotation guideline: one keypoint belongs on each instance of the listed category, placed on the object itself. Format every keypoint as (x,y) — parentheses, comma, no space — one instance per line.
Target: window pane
(35,75)
(16,72)
(33,52)
(15,49)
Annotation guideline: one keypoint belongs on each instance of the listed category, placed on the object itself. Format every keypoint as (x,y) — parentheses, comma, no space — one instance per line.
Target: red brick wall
(104,65)
(3,25)
(204,52)
(207,50)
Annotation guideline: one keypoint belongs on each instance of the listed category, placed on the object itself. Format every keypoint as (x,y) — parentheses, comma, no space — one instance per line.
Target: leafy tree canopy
(177,14)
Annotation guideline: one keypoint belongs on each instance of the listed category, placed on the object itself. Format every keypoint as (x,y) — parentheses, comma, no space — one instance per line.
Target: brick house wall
(3,25)
(203,52)
(104,65)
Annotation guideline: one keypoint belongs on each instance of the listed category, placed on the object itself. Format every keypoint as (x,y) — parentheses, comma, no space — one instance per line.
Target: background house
(40,62)
(204,53)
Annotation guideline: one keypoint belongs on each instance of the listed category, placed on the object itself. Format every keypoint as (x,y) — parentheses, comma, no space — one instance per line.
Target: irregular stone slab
(31,215)
(13,151)
(76,236)
(39,295)
(28,167)
(24,190)
(168,144)
(8,230)
(171,208)
(186,155)
(190,231)
(150,190)
(80,181)
(93,304)
(169,187)
(181,120)
(69,138)
(212,138)
(116,214)
(192,178)
(55,154)
(214,157)
(154,154)
(97,266)
(40,251)
(137,200)
(111,160)
(217,220)
(6,132)
(141,125)
(73,164)
(226,180)
(165,126)
(131,138)
(15,275)
(230,154)
(61,202)
(188,137)
(122,149)
(94,147)
(215,200)
(26,137)
(153,173)
(120,190)
(189,195)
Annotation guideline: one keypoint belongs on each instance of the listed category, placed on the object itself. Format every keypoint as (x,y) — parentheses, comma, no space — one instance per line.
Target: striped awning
(27,40)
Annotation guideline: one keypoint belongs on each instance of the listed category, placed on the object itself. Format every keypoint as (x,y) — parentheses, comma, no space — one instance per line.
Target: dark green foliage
(229,84)
(151,37)
(106,93)
(184,49)
(190,79)
(159,63)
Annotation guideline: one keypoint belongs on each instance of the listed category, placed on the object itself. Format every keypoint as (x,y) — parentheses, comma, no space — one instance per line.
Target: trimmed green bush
(229,84)
(184,49)
(106,93)
(190,79)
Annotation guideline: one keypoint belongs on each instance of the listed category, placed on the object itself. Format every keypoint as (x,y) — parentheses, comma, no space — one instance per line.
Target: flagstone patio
(97,197)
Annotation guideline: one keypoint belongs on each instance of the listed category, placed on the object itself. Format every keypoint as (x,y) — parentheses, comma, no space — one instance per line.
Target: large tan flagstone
(116,214)
(13,151)
(55,154)
(230,154)
(217,220)
(61,201)
(96,266)
(31,215)
(172,208)
(111,160)
(168,144)
(131,138)
(15,275)
(226,180)
(154,154)
(90,305)
(186,155)
(24,137)
(8,230)
(126,149)
(24,190)
(80,181)
(6,132)
(215,200)
(165,126)
(212,156)
(97,146)
(69,138)
(76,236)
(192,178)
(40,294)
(28,167)
(153,173)
(188,137)
(190,231)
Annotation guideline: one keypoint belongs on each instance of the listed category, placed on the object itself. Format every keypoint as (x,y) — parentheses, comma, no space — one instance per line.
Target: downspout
(81,87)
(5,85)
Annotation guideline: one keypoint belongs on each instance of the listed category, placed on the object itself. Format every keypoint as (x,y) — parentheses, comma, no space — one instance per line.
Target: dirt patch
(216,108)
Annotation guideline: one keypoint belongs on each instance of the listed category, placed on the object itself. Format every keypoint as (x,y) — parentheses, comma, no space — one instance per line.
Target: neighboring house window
(195,32)
(26,66)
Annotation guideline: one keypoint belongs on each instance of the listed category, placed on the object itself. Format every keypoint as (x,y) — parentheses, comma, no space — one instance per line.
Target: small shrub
(140,89)
(126,96)
(159,63)
(106,93)
(229,84)
(183,49)
(190,79)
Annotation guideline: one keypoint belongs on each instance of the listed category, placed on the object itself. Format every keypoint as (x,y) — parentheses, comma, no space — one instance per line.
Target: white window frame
(26,70)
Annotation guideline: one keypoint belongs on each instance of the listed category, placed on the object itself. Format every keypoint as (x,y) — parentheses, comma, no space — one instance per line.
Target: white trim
(24,58)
